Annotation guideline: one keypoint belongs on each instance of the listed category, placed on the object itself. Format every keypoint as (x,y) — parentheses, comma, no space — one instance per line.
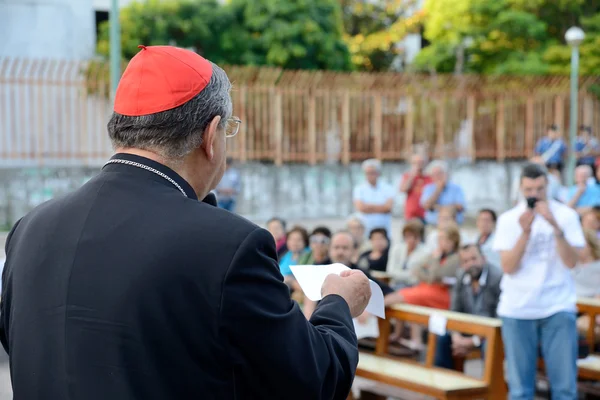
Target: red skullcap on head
(160,78)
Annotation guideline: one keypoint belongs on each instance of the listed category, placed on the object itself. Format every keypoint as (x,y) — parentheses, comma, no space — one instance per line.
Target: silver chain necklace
(147,168)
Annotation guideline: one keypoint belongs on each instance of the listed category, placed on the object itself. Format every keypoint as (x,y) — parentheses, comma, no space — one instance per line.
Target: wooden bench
(589,368)
(427,379)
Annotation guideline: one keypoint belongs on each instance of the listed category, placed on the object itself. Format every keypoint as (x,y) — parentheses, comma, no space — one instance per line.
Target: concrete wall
(60,29)
(291,191)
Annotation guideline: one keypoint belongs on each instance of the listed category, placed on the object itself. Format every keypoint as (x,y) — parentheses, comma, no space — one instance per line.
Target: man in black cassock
(132,288)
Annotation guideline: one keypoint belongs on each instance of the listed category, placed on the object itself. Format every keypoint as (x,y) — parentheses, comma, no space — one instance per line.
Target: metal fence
(54,112)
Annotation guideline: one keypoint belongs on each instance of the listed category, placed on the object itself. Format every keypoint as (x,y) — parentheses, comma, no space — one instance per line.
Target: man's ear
(209,137)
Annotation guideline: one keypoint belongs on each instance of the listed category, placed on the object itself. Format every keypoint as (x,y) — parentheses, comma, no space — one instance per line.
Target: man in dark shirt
(477,292)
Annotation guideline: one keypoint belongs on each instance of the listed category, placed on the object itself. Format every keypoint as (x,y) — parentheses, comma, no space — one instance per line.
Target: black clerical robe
(129,289)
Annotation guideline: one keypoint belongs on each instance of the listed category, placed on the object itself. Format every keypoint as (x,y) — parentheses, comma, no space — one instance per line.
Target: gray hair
(372,162)
(587,168)
(356,217)
(175,133)
(437,164)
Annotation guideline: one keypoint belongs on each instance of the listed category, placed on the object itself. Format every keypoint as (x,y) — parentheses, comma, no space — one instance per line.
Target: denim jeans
(443,352)
(556,337)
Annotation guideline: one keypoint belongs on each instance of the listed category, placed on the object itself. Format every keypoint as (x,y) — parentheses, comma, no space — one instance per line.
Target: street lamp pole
(574,37)
(115,46)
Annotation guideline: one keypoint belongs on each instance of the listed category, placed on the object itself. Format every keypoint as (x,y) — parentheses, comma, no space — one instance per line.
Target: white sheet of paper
(369,330)
(311,278)
(437,324)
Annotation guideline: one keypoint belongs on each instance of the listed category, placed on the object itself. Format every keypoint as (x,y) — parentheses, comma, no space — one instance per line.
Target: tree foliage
(300,34)
(373,29)
(517,37)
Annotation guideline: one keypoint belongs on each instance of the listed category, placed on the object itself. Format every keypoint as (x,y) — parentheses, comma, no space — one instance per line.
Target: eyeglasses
(232,127)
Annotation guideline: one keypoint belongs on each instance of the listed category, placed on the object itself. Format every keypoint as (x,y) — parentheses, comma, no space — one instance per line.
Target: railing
(55,112)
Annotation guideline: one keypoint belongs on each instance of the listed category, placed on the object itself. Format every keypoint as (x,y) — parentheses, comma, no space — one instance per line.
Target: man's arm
(5,292)
(428,198)
(455,297)
(460,201)
(575,199)
(374,208)
(510,260)
(407,182)
(567,237)
(291,357)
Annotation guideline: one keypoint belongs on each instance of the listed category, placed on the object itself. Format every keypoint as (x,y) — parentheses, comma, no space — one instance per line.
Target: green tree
(374,27)
(300,34)
(193,24)
(506,36)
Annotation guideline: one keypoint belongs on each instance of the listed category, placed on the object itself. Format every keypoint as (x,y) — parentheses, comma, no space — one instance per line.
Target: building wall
(62,29)
(293,192)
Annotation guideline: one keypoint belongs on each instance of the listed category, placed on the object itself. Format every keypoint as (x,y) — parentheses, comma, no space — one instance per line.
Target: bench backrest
(591,308)
(487,328)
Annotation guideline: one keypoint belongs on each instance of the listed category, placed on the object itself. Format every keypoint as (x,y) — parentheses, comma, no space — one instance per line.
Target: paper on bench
(437,324)
(311,278)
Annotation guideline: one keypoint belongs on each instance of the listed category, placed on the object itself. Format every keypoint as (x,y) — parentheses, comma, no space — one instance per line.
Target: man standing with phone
(538,241)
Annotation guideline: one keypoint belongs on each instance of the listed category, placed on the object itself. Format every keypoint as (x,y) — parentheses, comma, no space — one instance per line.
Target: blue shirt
(545,144)
(286,262)
(589,198)
(452,194)
(592,145)
(231,180)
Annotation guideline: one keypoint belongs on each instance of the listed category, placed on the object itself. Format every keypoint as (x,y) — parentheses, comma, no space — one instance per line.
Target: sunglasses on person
(319,239)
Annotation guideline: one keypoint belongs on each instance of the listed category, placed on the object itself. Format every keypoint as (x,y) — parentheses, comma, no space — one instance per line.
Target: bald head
(342,248)
(582,174)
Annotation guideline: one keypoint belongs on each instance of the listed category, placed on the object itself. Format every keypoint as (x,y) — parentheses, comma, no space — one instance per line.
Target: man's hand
(363,318)
(440,184)
(461,346)
(542,208)
(581,187)
(526,219)
(353,286)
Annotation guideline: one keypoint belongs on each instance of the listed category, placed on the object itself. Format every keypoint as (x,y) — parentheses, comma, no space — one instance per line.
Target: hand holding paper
(352,285)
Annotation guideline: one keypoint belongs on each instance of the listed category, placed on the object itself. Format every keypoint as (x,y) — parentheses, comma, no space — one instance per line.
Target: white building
(60,29)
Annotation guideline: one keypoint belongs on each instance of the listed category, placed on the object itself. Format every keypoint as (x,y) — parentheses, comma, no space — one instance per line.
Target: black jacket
(127,289)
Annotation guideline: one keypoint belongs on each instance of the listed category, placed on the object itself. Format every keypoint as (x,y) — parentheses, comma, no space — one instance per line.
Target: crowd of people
(526,266)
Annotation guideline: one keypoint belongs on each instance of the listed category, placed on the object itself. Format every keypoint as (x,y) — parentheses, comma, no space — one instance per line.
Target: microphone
(210,199)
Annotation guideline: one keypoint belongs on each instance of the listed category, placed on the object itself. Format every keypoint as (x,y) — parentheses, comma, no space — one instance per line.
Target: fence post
(312,128)
(278,122)
(410,127)
(471,113)
(346,127)
(440,120)
(243,129)
(500,131)
(529,126)
(377,115)
(559,113)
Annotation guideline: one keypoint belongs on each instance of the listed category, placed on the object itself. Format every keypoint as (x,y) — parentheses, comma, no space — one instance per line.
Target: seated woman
(376,258)
(434,275)
(297,244)
(407,255)
(319,247)
(587,278)
(446,216)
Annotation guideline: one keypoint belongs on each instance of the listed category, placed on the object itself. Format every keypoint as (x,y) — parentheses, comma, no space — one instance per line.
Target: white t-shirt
(375,195)
(543,285)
